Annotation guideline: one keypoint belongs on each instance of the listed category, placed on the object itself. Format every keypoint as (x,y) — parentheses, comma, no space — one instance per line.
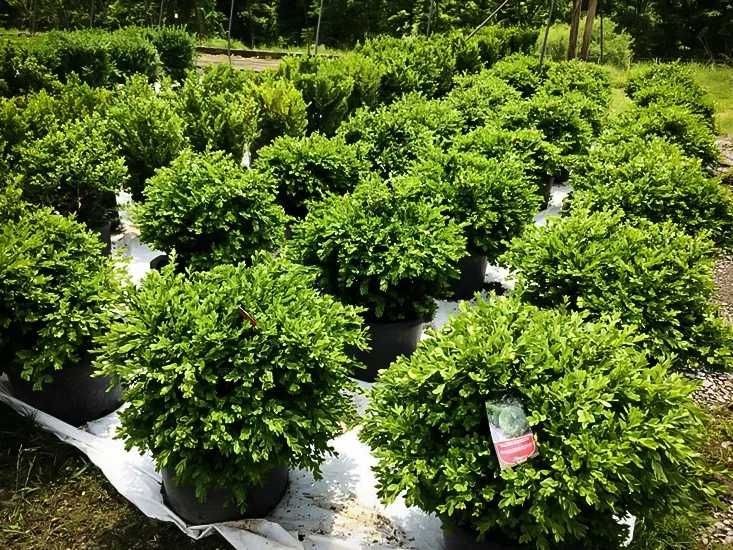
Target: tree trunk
(588,32)
(574,28)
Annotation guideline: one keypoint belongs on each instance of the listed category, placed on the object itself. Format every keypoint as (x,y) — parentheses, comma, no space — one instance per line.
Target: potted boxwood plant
(613,434)
(57,292)
(540,159)
(492,199)
(210,210)
(653,276)
(235,375)
(305,169)
(380,248)
(75,170)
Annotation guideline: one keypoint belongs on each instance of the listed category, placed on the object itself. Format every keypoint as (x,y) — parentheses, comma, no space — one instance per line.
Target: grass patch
(53,498)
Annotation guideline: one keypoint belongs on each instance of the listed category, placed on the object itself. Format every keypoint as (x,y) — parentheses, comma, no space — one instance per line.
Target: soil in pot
(473,273)
(546,190)
(458,538)
(261,499)
(74,396)
(388,340)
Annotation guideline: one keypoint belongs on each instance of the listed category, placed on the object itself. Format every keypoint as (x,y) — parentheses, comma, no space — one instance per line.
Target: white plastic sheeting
(340,512)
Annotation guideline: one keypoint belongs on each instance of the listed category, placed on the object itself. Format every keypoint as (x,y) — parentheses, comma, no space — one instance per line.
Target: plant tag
(247,316)
(513,439)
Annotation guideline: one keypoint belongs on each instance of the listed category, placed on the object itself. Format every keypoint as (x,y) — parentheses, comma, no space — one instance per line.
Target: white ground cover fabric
(340,512)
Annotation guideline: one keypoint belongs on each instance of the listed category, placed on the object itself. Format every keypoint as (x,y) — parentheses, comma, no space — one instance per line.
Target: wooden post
(588,32)
(318,29)
(574,28)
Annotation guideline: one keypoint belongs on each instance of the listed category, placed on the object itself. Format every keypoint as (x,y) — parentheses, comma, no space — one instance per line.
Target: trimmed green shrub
(538,157)
(673,123)
(20,71)
(614,434)
(326,89)
(380,249)
(495,43)
(394,136)
(74,169)
(521,72)
(617,44)
(56,293)
(588,79)
(218,115)
(230,401)
(132,53)
(12,204)
(561,119)
(146,129)
(306,169)
(209,210)
(86,53)
(654,180)
(671,84)
(479,97)
(176,49)
(652,275)
(367,77)
(13,129)
(412,64)
(491,198)
(283,111)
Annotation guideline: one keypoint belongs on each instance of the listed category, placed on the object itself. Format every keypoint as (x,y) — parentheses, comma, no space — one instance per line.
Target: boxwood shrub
(590,80)
(326,88)
(495,42)
(652,275)
(230,401)
(521,72)
(673,123)
(308,168)
(75,169)
(176,50)
(380,249)
(283,111)
(394,136)
(671,84)
(538,157)
(146,129)
(132,53)
(653,179)
(21,72)
(209,210)
(85,53)
(493,199)
(56,293)
(479,97)
(615,434)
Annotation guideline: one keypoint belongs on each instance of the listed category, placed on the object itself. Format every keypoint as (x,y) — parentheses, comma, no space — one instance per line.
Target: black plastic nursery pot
(473,272)
(74,396)
(159,262)
(104,233)
(563,176)
(458,538)
(261,499)
(388,340)
(546,189)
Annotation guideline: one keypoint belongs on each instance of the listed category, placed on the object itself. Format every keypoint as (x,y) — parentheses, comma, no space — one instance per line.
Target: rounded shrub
(210,211)
(57,292)
(521,72)
(367,77)
(176,49)
(21,71)
(230,401)
(75,169)
(491,198)
(85,53)
(283,111)
(479,97)
(495,42)
(654,180)
(326,87)
(306,169)
(588,79)
(671,84)
(652,275)
(614,434)
(394,136)
(381,249)
(561,119)
(146,129)
(673,123)
(132,53)
(538,157)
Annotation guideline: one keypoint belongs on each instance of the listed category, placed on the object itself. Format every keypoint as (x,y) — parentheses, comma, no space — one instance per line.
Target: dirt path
(252,63)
